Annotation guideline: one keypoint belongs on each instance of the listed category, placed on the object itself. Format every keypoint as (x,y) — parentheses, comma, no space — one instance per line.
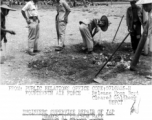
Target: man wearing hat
(4,12)
(33,25)
(134,19)
(88,28)
(147,6)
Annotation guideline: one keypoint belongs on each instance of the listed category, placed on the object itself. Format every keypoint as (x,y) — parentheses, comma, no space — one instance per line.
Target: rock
(47,72)
(109,64)
(73,57)
(122,60)
(106,57)
(101,54)
(84,57)
(35,66)
(149,77)
(99,63)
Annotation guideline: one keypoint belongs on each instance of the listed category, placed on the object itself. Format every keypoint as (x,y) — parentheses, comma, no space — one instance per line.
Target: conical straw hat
(6,7)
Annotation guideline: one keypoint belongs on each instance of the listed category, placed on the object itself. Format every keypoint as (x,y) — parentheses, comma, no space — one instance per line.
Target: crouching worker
(4,12)
(33,25)
(88,29)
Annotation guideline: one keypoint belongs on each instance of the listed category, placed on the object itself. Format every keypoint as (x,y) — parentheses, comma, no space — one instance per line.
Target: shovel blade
(98,80)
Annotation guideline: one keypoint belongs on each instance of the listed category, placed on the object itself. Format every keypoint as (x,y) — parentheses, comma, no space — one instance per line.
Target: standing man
(134,19)
(4,12)
(63,10)
(10,3)
(33,25)
(147,6)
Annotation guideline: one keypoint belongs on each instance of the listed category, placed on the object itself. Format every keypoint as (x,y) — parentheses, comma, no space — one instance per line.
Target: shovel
(99,79)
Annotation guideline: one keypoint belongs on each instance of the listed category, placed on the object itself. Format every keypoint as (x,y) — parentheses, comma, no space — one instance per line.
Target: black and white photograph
(76,59)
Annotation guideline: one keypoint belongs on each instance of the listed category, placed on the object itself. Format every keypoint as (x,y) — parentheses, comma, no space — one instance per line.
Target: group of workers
(88,28)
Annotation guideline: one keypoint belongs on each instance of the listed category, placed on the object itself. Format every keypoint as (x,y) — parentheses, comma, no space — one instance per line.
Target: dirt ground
(71,66)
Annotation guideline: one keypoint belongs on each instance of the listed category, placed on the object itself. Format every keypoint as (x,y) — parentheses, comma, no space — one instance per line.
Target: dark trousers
(135,35)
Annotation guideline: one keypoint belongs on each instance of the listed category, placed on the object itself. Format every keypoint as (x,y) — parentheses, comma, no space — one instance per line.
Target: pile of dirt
(74,65)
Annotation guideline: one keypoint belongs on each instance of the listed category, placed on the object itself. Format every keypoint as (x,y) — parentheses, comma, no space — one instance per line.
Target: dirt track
(70,66)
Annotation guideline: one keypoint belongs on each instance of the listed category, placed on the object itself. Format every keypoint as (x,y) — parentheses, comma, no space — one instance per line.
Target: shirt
(62,9)
(135,15)
(31,9)
(92,24)
(130,16)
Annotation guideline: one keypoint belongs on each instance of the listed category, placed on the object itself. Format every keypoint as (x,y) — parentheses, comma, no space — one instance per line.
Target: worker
(134,19)
(63,11)
(88,28)
(33,25)
(147,6)
(4,12)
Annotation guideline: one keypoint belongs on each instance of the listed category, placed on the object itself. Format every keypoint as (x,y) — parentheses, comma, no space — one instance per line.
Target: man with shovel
(88,28)
(134,19)
(4,12)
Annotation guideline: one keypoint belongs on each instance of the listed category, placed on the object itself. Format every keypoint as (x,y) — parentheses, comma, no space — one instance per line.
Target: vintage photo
(76,42)
(76,59)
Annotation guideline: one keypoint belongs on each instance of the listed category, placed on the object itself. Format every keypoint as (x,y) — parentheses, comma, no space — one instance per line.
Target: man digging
(33,25)
(88,28)
(4,12)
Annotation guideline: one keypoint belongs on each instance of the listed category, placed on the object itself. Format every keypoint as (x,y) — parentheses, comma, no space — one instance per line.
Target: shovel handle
(112,55)
(118,28)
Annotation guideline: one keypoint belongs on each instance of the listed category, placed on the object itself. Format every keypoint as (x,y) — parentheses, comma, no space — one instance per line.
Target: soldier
(88,28)
(147,6)
(4,12)
(134,19)
(33,25)
(63,11)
